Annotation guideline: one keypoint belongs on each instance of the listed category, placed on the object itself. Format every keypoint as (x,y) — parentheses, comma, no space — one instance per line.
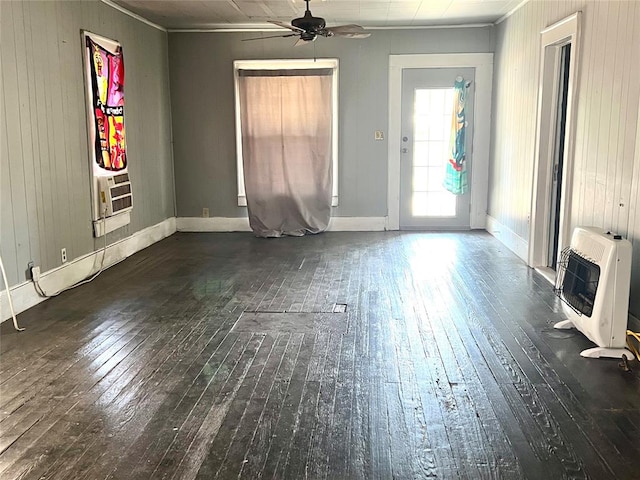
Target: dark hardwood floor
(444,365)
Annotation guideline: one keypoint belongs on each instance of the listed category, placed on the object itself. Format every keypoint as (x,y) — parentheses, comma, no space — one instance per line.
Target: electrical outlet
(35,274)
(205,212)
(63,255)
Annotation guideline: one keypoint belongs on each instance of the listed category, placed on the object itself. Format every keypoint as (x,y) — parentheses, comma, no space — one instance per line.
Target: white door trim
(483,63)
(557,35)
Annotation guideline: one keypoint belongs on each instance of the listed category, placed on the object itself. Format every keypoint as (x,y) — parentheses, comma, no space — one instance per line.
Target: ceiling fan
(308,28)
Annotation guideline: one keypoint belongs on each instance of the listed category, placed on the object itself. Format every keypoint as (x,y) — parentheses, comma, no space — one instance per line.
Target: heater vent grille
(577,281)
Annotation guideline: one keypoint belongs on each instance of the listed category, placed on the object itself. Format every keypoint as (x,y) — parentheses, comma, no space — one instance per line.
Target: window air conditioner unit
(115,194)
(593,281)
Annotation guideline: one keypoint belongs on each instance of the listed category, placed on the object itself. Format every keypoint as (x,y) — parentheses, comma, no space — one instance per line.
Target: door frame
(552,39)
(483,63)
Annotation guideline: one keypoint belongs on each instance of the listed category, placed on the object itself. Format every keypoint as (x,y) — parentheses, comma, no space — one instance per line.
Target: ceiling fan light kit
(308,28)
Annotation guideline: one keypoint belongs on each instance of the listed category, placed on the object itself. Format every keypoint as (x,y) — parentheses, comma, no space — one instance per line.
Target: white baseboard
(357,224)
(24,295)
(241,224)
(213,224)
(510,239)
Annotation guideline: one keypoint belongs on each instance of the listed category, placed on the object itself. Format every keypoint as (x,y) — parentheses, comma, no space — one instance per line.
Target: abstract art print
(107,88)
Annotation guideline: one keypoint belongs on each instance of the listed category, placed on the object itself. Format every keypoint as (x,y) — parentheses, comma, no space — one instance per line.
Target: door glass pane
(421,153)
(421,179)
(432,126)
(433,204)
(421,123)
(442,204)
(438,150)
(435,179)
(419,204)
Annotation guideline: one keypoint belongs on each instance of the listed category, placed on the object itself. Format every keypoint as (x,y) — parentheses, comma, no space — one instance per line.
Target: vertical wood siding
(605,175)
(45,202)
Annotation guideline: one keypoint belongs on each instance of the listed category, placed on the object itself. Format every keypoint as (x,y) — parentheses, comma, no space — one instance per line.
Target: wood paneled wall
(44,168)
(605,176)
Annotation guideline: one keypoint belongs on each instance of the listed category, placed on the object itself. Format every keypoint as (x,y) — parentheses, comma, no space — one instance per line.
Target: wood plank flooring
(447,367)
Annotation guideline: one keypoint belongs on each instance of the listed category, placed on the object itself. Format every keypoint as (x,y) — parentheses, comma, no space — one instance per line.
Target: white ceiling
(254,14)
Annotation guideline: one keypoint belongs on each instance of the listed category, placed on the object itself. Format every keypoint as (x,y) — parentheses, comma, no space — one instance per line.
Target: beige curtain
(286,149)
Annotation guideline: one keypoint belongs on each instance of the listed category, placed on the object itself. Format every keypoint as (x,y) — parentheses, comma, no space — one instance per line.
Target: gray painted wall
(44,168)
(606,178)
(202,104)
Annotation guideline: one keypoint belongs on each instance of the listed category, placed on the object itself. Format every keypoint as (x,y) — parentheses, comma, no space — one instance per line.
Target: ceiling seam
(508,14)
(133,15)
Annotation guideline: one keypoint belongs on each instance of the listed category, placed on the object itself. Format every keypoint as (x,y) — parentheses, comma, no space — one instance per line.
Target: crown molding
(133,15)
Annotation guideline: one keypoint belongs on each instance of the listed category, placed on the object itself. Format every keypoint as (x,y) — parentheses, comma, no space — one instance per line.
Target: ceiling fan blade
(349,31)
(271,36)
(286,25)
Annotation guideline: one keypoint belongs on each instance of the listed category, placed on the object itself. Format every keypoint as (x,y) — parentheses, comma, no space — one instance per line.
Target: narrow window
(280,103)
(432,131)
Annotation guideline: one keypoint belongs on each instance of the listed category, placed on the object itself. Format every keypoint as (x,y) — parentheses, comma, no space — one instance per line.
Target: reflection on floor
(446,367)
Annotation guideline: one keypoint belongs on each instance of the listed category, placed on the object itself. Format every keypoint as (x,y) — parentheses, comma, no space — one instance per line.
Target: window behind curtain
(286,126)
(287,65)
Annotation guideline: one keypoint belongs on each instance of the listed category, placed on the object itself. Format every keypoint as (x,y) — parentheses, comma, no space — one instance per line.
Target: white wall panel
(605,176)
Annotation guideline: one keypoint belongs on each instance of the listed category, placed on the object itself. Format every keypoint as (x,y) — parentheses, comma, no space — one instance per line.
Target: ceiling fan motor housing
(309,23)
(309,27)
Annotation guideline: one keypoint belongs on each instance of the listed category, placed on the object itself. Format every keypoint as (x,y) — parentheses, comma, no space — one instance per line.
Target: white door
(427,109)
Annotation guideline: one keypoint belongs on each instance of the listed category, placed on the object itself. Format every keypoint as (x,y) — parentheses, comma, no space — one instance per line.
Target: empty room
(325,239)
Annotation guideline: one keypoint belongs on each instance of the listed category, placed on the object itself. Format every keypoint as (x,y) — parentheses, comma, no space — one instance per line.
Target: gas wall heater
(115,194)
(593,281)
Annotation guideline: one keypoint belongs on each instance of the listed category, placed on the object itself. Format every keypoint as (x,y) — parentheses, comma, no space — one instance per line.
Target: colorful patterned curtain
(455,179)
(107,84)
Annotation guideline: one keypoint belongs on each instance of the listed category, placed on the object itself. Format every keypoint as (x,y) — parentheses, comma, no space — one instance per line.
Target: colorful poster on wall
(107,87)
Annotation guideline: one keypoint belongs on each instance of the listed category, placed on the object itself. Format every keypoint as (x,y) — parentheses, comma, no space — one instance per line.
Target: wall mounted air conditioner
(115,194)
(593,281)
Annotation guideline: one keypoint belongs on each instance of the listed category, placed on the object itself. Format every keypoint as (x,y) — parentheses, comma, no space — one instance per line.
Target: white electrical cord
(6,284)
(41,291)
